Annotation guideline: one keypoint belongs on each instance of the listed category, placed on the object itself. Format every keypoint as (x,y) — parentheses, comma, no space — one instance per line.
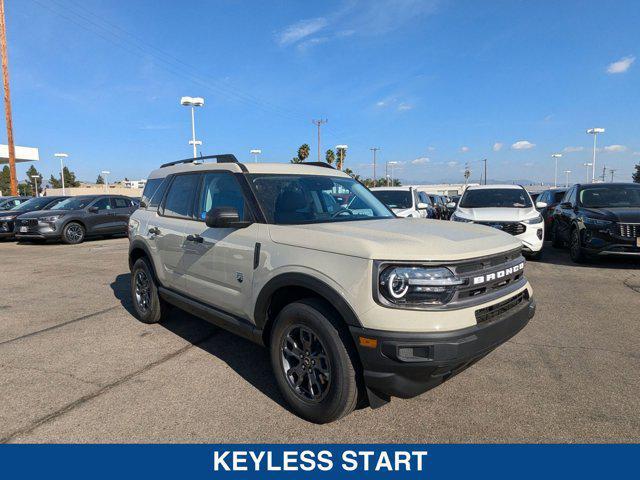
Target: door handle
(195,238)
(154,231)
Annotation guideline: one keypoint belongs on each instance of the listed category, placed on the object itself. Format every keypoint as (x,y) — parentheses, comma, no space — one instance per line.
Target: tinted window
(102,204)
(73,203)
(558,197)
(495,198)
(179,201)
(221,190)
(156,198)
(424,198)
(150,189)
(571,196)
(119,202)
(610,196)
(33,204)
(394,198)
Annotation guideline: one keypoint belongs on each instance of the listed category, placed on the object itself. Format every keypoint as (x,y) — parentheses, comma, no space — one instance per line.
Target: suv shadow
(560,256)
(247,359)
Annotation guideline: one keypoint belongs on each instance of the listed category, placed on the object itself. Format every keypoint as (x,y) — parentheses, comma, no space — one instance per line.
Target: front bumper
(606,242)
(30,229)
(407,364)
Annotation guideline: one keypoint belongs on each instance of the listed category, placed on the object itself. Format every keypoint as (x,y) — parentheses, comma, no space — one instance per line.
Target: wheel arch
(138,249)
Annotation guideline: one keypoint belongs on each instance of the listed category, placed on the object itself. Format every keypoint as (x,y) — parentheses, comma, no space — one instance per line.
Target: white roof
(23,154)
(484,187)
(403,189)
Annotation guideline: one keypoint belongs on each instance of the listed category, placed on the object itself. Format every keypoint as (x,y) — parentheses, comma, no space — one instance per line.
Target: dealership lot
(76,366)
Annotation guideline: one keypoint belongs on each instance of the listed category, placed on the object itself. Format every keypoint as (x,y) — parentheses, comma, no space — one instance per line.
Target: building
(449,189)
(134,183)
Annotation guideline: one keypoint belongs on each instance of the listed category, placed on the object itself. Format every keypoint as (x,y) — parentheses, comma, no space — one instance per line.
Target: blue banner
(411,461)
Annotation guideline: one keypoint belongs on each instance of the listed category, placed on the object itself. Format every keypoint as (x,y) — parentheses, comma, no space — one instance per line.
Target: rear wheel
(144,293)
(73,233)
(575,247)
(314,362)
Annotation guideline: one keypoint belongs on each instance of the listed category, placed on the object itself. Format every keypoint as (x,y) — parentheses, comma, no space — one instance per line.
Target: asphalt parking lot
(76,365)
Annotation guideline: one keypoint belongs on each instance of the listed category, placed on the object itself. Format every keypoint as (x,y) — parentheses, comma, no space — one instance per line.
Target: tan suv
(354,304)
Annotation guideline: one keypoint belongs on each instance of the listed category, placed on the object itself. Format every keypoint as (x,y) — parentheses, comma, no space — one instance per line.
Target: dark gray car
(76,218)
(8,217)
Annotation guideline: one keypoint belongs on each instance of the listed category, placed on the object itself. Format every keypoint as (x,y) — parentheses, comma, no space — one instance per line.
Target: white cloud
(312,42)
(497,146)
(523,145)
(299,30)
(636,154)
(464,149)
(621,65)
(572,149)
(615,148)
(452,163)
(431,148)
(403,107)
(420,161)
(528,164)
(382,103)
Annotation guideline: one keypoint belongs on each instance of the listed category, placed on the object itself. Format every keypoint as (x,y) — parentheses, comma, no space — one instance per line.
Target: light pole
(35,180)
(255,152)
(392,164)
(555,178)
(106,181)
(374,150)
(193,102)
(341,150)
(61,156)
(587,165)
(566,183)
(594,131)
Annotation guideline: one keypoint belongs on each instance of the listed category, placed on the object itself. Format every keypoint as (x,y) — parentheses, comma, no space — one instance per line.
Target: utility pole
(318,123)
(612,171)
(604,172)
(467,174)
(374,150)
(7,101)
(485,170)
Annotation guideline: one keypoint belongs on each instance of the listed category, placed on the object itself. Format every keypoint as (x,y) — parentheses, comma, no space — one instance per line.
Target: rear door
(563,214)
(218,263)
(122,209)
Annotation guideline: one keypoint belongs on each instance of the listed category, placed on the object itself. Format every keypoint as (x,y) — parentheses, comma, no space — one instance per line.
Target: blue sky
(436,84)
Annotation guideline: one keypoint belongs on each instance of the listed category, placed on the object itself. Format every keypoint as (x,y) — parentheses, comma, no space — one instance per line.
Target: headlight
(415,286)
(457,218)
(51,218)
(532,221)
(596,222)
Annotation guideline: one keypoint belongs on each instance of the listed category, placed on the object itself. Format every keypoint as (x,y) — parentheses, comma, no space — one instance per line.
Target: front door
(219,261)
(102,220)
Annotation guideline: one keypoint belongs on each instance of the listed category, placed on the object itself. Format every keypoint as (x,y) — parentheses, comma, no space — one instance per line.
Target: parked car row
(409,202)
(67,219)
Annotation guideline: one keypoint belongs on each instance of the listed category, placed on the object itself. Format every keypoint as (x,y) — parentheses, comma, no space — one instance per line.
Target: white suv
(354,304)
(403,201)
(508,208)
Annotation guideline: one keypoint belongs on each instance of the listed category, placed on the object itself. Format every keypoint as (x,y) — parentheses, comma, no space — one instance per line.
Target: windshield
(496,198)
(610,196)
(74,203)
(296,199)
(33,204)
(394,198)
(8,204)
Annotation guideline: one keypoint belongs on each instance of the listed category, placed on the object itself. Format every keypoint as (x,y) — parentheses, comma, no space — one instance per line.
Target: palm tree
(303,152)
(330,157)
(342,153)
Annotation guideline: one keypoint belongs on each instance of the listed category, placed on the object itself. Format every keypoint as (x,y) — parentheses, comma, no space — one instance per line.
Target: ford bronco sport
(354,304)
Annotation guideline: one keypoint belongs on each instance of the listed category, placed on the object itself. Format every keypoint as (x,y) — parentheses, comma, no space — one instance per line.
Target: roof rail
(319,164)
(222,158)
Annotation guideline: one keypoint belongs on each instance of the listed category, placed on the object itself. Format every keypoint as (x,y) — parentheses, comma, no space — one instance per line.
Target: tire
(556,242)
(575,248)
(535,256)
(147,303)
(73,233)
(309,342)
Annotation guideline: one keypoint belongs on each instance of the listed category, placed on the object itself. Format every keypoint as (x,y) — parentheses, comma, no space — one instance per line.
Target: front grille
(494,311)
(629,230)
(513,228)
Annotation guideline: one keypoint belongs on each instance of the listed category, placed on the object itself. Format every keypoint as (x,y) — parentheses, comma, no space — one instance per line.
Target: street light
(588,165)
(392,164)
(594,131)
(555,181)
(193,102)
(61,156)
(255,152)
(106,181)
(35,180)
(341,149)
(566,183)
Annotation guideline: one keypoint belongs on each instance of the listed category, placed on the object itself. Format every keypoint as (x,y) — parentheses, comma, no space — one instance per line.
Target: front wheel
(144,293)
(314,362)
(73,233)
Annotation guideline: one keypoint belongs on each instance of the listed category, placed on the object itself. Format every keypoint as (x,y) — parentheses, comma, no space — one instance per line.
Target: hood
(397,239)
(497,214)
(616,214)
(8,213)
(402,212)
(43,213)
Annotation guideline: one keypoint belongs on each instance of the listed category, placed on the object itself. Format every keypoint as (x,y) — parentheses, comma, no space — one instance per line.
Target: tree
(342,154)
(100,180)
(26,189)
(30,183)
(5,181)
(303,153)
(636,174)
(330,156)
(69,179)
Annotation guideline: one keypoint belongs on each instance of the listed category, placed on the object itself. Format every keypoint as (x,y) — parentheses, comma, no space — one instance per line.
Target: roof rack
(222,158)
(319,164)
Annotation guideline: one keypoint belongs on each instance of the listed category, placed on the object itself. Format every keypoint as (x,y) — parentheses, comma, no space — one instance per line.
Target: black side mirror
(566,205)
(224,217)
(92,209)
(143,204)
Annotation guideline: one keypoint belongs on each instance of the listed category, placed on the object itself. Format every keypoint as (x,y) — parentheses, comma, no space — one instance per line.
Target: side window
(424,198)
(150,189)
(102,204)
(119,202)
(570,196)
(221,190)
(573,196)
(179,201)
(544,197)
(156,198)
(558,197)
